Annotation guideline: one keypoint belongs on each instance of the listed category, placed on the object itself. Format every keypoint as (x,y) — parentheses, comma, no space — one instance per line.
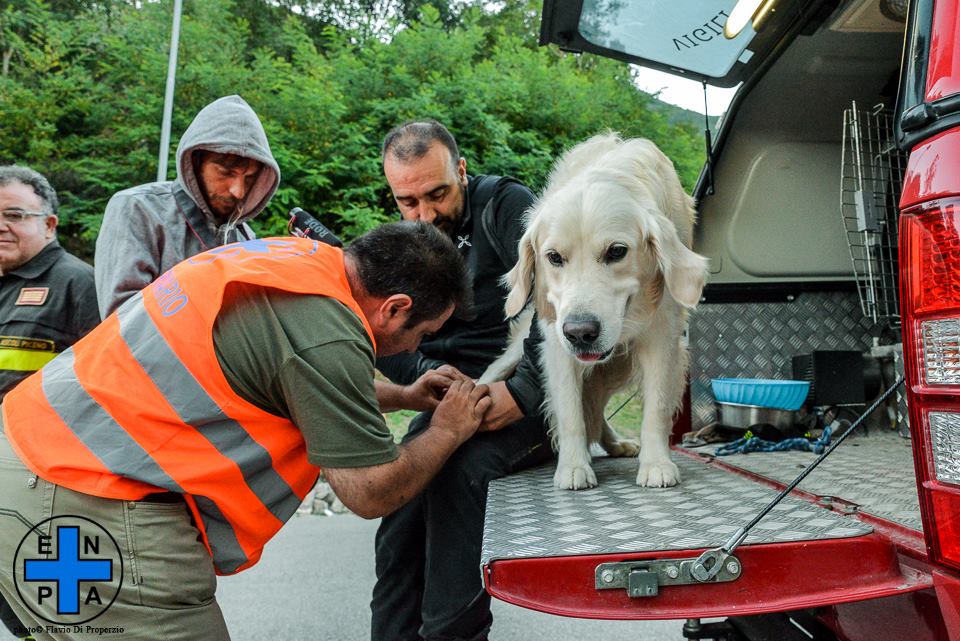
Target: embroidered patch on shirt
(33,296)
(22,342)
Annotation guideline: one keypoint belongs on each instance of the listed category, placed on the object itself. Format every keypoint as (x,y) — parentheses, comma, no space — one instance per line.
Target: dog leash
(709,564)
(751,443)
(623,404)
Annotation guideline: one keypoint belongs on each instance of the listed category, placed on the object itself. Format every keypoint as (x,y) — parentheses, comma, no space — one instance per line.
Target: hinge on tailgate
(644,578)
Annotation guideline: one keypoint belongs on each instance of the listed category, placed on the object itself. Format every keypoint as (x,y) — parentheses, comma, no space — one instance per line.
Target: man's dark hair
(36,181)
(415,259)
(412,140)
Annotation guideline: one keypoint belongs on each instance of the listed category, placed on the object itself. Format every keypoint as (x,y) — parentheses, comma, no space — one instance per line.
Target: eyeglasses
(14,216)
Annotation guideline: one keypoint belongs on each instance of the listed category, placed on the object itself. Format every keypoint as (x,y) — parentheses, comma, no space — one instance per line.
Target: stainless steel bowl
(743,416)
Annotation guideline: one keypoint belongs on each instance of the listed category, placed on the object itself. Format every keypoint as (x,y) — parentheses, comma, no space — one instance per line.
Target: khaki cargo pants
(168,582)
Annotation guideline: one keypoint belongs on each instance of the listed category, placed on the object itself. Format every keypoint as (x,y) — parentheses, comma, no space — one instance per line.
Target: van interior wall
(775,216)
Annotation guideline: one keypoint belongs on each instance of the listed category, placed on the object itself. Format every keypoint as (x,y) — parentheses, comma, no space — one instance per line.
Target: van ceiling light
(746,11)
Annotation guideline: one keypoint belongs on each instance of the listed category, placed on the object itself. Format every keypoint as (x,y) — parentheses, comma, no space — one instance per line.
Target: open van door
(801,234)
(720,42)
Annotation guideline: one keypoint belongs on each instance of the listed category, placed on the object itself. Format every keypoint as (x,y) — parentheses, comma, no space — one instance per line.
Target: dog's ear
(684,271)
(520,278)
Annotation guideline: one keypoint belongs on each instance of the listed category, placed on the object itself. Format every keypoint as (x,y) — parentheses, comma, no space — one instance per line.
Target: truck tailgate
(542,546)
(870,474)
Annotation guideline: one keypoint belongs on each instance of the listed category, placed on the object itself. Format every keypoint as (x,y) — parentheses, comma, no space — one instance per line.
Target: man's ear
(50,226)
(396,307)
(462,171)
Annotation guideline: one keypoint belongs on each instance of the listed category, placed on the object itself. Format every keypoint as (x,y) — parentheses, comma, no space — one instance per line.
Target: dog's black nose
(581,331)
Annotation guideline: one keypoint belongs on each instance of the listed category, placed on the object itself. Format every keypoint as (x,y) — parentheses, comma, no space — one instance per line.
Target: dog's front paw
(662,473)
(574,477)
(623,447)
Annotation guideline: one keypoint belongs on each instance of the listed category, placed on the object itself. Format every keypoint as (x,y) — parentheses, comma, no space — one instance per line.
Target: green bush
(82,85)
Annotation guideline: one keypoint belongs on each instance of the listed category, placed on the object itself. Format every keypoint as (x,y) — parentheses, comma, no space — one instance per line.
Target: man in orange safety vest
(176,439)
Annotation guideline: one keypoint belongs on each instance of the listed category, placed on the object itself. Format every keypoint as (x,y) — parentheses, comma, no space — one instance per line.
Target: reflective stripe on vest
(141,403)
(195,407)
(95,428)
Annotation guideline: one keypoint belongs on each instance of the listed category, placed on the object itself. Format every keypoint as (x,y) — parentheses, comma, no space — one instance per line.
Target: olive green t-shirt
(308,359)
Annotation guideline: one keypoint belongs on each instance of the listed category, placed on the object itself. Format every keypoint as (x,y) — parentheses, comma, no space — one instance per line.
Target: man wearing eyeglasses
(47,296)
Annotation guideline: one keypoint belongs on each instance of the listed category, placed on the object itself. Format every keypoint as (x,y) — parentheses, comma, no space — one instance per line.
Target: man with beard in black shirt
(428,552)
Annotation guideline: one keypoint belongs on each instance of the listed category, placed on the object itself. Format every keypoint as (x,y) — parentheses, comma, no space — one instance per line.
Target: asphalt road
(314,584)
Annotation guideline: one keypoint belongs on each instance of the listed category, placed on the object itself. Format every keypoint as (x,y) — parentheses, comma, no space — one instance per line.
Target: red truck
(830,210)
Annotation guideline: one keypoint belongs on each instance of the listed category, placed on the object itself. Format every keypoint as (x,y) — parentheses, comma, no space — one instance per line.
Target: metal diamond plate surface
(903,416)
(875,472)
(758,340)
(527,517)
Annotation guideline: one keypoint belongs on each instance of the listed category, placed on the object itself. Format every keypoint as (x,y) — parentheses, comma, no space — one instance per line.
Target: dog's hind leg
(564,380)
(616,445)
(663,365)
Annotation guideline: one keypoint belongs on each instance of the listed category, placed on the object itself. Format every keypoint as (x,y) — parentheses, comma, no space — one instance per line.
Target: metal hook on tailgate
(709,564)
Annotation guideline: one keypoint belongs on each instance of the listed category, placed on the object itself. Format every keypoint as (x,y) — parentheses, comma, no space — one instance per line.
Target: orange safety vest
(141,405)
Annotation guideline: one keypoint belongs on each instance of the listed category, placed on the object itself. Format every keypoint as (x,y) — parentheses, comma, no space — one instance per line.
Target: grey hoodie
(148,229)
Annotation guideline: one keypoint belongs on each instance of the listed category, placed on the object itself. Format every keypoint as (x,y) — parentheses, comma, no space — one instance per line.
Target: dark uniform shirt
(488,242)
(46,305)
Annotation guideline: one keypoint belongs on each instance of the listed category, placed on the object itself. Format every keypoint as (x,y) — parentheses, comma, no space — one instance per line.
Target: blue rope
(750,443)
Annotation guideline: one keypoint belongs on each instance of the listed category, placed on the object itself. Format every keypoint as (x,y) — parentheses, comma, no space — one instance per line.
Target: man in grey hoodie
(226,175)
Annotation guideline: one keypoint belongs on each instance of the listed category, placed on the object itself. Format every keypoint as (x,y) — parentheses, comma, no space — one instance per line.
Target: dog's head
(605,241)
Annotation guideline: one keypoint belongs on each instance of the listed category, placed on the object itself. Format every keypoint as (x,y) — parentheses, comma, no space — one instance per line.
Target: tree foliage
(82,84)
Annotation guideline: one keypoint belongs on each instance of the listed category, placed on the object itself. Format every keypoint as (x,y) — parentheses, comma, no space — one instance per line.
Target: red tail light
(930,301)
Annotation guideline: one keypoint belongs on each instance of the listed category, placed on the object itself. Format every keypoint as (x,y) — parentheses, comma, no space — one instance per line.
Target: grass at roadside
(627,421)
(398,422)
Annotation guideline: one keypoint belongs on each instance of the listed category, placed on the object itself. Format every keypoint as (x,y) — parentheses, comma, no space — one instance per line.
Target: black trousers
(11,621)
(428,552)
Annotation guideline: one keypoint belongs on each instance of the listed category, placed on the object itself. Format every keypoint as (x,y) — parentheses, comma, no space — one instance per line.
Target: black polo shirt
(46,305)
(489,249)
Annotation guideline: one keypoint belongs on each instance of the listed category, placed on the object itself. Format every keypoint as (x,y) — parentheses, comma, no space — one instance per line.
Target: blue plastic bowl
(781,395)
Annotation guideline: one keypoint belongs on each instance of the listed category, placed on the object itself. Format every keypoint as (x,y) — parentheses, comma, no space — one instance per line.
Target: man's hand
(503,409)
(376,490)
(460,412)
(425,393)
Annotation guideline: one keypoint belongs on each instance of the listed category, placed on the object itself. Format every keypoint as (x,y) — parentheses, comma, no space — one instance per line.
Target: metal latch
(644,578)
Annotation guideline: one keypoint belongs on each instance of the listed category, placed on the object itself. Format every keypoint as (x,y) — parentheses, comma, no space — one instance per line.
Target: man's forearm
(389,396)
(375,491)
(380,489)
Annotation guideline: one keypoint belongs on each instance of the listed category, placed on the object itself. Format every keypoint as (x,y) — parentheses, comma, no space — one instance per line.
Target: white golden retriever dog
(606,261)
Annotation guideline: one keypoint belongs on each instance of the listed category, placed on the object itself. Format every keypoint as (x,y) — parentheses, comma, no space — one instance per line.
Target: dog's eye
(555,259)
(615,253)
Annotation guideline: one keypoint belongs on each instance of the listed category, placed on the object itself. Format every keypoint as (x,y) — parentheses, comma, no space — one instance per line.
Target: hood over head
(228,125)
